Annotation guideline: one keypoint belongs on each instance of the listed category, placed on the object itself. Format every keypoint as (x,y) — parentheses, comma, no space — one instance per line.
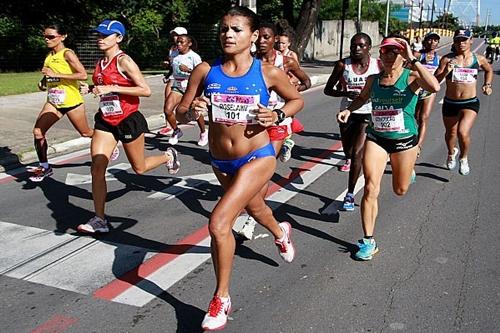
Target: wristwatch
(281,116)
(414,61)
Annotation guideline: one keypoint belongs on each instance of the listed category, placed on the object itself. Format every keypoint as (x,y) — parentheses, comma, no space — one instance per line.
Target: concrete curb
(154,122)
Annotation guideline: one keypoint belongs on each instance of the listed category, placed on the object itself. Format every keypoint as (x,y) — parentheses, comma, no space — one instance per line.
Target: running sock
(44,165)
(368,237)
(349,195)
(41,150)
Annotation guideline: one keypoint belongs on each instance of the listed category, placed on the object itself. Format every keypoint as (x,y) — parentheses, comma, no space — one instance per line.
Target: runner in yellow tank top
(62,70)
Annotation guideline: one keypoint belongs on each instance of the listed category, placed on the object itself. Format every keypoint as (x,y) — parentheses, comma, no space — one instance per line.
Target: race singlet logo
(234,108)
(110,105)
(390,120)
(464,75)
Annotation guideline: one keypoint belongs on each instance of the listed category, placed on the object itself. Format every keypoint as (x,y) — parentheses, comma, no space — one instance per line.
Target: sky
(464,9)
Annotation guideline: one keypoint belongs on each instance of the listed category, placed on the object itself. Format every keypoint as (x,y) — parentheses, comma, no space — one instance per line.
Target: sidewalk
(19,112)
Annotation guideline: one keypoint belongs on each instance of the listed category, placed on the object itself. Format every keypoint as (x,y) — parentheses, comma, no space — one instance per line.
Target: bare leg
(467,119)
(423,116)
(374,162)
(450,136)
(101,147)
(356,152)
(239,190)
(78,119)
(135,155)
(46,119)
(170,104)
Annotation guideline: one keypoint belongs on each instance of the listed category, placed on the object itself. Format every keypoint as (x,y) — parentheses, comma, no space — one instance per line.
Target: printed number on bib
(234,109)
(390,120)
(110,105)
(56,96)
(464,75)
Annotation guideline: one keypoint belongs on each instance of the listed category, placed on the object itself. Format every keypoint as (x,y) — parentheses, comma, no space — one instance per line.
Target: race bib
(234,109)
(56,96)
(110,105)
(390,120)
(464,75)
(180,84)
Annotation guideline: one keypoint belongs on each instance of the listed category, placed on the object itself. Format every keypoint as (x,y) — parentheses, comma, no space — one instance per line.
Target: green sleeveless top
(393,109)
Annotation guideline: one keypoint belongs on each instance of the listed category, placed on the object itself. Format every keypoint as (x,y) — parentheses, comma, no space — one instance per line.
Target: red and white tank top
(114,106)
(353,81)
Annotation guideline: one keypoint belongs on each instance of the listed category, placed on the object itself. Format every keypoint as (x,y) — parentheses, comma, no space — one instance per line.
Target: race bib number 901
(234,108)
(390,120)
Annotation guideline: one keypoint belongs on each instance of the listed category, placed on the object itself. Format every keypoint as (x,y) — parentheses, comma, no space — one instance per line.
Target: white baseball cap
(179,31)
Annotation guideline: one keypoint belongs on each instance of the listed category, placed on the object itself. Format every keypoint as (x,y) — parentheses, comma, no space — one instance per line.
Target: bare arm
(488,74)
(277,80)
(363,97)
(293,67)
(333,80)
(421,77)
(445,67)
(191,99)
(132,71)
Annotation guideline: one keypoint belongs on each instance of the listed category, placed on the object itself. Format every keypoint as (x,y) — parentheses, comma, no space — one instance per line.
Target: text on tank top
(114,106)
(61,92)
(393,114)
(234,100)
(353,81)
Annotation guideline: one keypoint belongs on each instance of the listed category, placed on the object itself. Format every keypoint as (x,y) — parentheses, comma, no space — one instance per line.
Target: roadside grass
(19,83)
(26,82)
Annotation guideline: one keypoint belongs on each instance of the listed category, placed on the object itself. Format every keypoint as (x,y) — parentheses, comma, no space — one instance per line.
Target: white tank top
(352,81)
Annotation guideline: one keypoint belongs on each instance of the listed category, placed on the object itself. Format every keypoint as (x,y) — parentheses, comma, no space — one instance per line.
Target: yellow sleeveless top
(61,93)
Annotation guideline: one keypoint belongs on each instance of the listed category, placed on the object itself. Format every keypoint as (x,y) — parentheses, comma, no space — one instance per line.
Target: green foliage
(371,10)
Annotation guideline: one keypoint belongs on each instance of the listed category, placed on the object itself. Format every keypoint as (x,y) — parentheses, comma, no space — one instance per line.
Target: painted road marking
(79,179)
(43,257)
(141,286)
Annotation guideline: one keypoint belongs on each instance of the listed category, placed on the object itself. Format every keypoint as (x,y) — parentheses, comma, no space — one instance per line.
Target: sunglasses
(394,50)
(50,37)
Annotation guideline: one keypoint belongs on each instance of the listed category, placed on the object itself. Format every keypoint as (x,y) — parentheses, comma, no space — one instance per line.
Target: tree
(307,20)
(448,21)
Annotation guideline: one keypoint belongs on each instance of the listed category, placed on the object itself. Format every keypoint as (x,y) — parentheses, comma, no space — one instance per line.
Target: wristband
(414,61)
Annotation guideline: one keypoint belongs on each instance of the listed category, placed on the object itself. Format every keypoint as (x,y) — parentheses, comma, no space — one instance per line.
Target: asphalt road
(437,269)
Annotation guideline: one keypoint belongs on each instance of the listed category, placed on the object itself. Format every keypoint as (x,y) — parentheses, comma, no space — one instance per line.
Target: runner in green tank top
(392,130)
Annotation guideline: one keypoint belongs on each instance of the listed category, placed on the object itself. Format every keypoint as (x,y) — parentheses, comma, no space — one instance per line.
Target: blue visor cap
(109,27)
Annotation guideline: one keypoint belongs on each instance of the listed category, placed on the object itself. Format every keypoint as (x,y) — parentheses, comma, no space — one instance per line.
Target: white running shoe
(218,311)
(286,150)
(176,135)
(41,173)
(463,167)
(451,162)
(173,165)
(94,225)
(248,228)
(285,245)
(115,154)
(203,141)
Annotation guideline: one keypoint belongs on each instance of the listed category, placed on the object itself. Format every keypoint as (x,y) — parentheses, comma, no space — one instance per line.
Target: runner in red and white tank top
(119,84)
(114,107)
(347,80)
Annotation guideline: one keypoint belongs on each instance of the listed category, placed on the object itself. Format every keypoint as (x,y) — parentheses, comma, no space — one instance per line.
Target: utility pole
(359,17)
(432,12)
(345,5)
(488,14)
(388,9)
(421,6)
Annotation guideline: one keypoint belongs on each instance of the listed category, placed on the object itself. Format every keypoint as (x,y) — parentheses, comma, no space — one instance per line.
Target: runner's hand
(450,65)
(184,68)
(48,72)
(407,52)
(102,90)
(487,89)
(343,116)
(84,88)
(198,107)
(265,116)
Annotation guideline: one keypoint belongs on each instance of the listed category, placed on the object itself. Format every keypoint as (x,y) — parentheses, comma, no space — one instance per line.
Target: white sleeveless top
(352,81)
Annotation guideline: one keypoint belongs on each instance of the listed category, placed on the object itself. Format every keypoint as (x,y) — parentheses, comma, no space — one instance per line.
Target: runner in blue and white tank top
(429,58)
(236,92)
(347,80)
